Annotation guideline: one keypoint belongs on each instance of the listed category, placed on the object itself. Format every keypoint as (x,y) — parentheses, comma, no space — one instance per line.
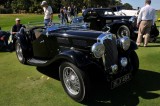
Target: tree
(34,5)
(128,6)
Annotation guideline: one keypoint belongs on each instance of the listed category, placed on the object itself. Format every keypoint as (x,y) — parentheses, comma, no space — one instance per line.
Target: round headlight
(125,42)
(98,50)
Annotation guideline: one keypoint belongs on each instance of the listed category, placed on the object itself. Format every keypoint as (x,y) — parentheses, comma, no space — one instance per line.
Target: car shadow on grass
(126,95)
(49,71)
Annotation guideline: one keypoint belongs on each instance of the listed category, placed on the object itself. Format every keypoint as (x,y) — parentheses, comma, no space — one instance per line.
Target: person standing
(146,19)
(48,13)
(75,12)
(83,9)
(62,15)
(69,13)
(72,11)
(65,14)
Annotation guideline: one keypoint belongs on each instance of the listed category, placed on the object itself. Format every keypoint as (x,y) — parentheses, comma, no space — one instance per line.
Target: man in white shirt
(146,19)
(48,13)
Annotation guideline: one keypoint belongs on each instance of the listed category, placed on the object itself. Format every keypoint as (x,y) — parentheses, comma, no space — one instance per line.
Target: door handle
(42,41)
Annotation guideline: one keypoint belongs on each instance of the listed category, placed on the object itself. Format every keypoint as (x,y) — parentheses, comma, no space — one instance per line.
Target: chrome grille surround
(110,57)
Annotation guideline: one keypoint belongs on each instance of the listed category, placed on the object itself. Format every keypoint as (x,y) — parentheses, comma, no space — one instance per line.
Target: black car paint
(57,46)
(53,47)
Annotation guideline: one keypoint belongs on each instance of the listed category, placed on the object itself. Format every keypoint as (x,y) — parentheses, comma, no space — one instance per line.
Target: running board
(37,62)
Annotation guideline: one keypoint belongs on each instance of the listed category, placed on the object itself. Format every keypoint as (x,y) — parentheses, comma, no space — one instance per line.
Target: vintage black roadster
(76,51)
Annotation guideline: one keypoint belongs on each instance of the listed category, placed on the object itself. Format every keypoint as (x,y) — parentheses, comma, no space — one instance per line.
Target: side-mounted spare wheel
(20,52)
(123,30)
(74,82)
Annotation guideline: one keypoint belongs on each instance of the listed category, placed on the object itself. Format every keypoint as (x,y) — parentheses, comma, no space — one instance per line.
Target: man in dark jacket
(17,26)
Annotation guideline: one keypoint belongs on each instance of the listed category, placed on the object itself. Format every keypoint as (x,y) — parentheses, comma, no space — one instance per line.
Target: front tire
(123,31)
(20,52)
(74,81)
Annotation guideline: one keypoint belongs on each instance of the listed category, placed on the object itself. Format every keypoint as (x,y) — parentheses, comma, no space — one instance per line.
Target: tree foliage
(128,6)
(32,6)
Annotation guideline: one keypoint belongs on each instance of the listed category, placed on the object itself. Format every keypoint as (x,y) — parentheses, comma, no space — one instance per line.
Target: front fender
(76,57)
(133,46)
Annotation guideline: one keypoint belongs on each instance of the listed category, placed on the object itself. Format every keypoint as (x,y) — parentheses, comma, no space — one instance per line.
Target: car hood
(84,34)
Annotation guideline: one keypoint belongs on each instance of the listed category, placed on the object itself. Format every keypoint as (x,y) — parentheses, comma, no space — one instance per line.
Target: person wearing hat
(48,13)
(145,20)
(17,26)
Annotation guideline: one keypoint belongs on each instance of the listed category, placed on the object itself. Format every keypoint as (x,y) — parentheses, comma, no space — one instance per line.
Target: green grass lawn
(8,20)
(22,85)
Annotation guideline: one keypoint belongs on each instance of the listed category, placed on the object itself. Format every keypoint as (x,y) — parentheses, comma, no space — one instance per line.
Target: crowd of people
(68,13)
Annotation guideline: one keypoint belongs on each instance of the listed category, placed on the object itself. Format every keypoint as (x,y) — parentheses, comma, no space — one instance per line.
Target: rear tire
(20,52)
(74,82)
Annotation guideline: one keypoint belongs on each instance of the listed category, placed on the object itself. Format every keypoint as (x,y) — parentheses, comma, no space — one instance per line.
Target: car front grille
(111,52)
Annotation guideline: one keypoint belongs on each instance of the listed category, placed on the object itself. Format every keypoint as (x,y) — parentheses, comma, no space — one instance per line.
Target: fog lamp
(114,69)
(124,62)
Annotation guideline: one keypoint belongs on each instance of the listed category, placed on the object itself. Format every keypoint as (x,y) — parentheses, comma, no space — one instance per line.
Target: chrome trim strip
(105,35)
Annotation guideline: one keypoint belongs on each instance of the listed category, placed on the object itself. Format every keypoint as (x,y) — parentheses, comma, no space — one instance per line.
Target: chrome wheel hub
(124,33)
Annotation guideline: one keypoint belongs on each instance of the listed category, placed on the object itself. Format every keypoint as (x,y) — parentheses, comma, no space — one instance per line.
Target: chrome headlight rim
(98,49)
(125,43)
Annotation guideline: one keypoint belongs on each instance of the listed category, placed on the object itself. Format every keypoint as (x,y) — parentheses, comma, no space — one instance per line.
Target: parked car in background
(120,11)
(104,19)
(77,53)
(5,45)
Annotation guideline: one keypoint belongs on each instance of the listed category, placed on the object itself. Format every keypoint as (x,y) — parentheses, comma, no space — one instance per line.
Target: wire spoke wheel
(71,80)
(74,81)
(19,52)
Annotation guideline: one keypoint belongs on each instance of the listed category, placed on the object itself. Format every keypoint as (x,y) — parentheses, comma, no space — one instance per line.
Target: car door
(40,49)
(51,45)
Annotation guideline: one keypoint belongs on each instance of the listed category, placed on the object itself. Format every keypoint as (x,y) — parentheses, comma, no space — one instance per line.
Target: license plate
(117,82)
